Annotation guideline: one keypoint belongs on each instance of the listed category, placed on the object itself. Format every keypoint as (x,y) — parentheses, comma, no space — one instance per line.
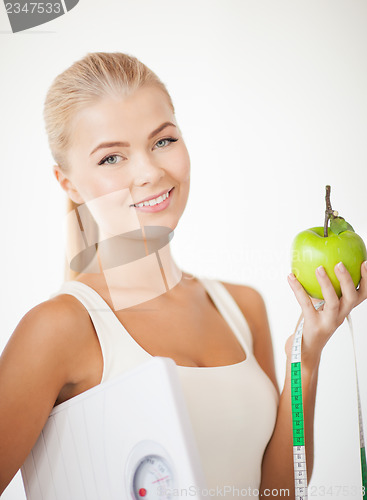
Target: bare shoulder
(54,320)
(52,355)
(43,323)
(62,308)
(253,307)
(251,303)
(55,327)
(43,355)
(72,330)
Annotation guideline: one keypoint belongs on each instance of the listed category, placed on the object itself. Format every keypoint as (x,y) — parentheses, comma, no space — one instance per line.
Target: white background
(271,98)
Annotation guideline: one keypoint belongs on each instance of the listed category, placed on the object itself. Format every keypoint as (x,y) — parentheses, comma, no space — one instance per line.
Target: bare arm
(277,465)
(319,326)
(34,367)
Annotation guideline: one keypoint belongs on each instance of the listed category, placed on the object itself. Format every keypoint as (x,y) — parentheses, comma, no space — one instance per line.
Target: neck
(138,266)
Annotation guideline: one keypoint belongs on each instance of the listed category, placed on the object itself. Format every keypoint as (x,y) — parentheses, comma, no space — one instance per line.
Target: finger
(349,293)
(328,292)
(302,297)
(362,289)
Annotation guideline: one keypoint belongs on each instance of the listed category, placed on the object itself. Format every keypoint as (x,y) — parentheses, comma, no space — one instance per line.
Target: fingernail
(341,267)
(365,265)
(321,271)
(291,276)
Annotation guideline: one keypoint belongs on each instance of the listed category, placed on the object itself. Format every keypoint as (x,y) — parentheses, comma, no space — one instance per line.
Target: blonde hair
(97,75)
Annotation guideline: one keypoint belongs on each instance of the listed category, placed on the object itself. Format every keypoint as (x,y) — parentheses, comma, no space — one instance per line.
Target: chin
(169,224)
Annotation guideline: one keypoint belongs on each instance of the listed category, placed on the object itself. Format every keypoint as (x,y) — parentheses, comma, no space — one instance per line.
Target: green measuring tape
(299,450)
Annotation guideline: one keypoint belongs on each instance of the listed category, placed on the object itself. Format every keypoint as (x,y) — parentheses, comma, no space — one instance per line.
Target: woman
(113,134)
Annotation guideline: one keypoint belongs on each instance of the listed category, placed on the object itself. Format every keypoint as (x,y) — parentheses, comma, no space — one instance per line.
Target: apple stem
(328,210)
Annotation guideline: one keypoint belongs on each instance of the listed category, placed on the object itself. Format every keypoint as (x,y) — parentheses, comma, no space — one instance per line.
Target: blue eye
(168,139)
(106,161)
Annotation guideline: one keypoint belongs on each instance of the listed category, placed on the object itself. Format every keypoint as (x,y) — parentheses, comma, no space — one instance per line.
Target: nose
(145,170)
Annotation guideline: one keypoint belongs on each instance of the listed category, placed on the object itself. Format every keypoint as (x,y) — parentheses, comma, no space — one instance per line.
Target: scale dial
(152,479)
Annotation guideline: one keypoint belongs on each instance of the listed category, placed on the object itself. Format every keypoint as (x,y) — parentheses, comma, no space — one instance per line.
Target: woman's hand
(319,325)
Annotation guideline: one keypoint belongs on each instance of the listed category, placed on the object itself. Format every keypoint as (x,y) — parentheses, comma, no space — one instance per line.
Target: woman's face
(124,151)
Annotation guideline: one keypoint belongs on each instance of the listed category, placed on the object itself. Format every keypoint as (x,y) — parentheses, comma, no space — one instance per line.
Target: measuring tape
(361,436)
(299,450)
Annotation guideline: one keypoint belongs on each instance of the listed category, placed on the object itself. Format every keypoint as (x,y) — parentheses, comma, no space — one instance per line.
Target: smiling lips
(160,202)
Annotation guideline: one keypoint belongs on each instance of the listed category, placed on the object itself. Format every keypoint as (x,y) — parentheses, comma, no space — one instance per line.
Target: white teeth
(153,202)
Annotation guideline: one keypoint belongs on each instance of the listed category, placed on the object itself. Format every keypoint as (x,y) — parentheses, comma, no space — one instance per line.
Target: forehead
(120,118)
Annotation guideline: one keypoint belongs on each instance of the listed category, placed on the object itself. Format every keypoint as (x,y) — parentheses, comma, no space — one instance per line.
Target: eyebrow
(126,144)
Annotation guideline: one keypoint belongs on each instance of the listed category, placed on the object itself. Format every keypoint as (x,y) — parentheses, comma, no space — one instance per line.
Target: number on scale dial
(152,479)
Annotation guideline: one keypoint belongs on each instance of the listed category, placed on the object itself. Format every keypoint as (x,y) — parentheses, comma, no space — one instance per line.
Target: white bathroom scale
(127,439)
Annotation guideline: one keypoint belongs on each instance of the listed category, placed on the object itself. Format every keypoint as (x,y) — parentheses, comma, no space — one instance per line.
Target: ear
(67,185)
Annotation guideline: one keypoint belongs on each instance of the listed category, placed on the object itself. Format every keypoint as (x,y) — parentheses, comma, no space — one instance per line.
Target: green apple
(326,246)
(310,249)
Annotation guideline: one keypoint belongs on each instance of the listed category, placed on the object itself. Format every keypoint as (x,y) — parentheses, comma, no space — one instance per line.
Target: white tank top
(232,408)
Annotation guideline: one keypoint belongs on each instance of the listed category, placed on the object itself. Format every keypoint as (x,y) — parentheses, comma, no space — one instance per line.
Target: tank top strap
(230,310)
(106,325)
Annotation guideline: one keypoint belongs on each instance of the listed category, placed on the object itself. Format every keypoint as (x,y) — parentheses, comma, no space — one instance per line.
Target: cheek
(181,165)
(109,206)
(102,185)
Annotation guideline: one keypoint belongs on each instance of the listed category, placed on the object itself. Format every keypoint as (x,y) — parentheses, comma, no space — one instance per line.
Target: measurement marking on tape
(299,449)
(360,421)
